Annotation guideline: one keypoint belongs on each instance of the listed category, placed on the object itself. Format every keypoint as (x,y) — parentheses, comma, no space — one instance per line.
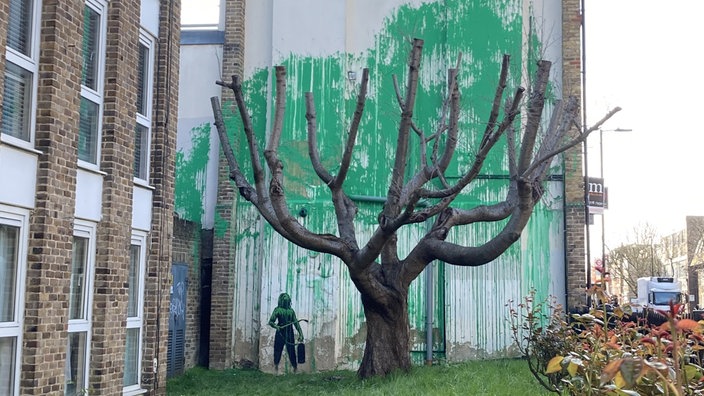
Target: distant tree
(379,273)
(638,258)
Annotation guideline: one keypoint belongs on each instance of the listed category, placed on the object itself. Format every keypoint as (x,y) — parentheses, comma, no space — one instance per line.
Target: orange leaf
(687,324)
(610,371)
(613,345)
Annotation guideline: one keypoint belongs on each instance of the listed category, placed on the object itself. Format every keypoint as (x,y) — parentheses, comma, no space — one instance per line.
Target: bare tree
(638,259)
(380,275)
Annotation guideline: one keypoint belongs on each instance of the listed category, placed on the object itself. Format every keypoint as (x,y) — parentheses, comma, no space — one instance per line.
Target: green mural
(191,175)
(481,31)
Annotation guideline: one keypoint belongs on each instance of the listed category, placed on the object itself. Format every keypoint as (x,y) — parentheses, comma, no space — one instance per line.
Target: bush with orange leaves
(609,352)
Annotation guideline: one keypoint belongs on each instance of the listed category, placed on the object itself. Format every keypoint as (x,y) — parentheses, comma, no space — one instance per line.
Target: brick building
(87,150)
(682,254)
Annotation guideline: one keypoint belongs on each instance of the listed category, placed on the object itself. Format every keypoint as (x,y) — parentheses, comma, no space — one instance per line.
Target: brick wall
(158,280)
(574,182)
(186,249)
(221,343)
(51,222)
(114,231)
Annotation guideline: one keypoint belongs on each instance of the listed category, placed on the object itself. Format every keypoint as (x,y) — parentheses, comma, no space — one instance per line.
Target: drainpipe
(377,199)
(565,208)
(429,315)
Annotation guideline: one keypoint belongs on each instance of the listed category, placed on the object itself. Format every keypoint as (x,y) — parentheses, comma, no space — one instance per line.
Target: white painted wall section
(89,195)
(18,178)
(141,208)
(149,16)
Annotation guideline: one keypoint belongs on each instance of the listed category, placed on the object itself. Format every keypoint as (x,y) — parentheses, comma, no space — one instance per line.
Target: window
(21,54)
(93,50)
(79,308)
(135,304)
(13,237)
(142,132)
(666,298)
(200,14)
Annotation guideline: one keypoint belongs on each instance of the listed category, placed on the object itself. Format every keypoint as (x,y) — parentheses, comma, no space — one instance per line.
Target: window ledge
(92,168)
(132,391)
(143,183)
(19,144)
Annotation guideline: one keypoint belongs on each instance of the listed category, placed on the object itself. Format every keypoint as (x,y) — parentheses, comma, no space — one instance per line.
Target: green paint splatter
(191,175)
(482,32)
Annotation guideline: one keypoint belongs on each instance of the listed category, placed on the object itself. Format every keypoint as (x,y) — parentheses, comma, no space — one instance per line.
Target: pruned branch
(354,127)
(498,96)
(313,152)
(535,112)
(273,205)
(481,155)
(260,201)
(236,175)
(392,209)
(252,146)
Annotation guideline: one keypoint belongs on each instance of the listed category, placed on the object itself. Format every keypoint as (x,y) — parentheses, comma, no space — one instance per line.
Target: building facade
(682,254)
(87,149)
(249,265)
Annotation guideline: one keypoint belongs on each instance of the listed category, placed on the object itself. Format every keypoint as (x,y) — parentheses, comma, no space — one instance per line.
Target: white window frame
(96,95)
(30,64)
(139,238)
(145,120)
(17,217)
(85,229)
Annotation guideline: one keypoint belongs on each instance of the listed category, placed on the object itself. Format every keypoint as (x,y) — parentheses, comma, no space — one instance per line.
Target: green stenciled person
(283,319)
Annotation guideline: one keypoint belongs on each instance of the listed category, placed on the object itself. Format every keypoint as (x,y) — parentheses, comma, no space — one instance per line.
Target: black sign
(597,194)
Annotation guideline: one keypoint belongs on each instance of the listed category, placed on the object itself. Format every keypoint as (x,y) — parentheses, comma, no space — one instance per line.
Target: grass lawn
(489,377)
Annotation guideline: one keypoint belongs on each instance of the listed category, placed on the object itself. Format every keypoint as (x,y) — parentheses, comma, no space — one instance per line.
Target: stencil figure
(283,319)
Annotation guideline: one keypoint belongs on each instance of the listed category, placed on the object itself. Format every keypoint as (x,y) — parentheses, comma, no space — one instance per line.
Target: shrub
(608,351)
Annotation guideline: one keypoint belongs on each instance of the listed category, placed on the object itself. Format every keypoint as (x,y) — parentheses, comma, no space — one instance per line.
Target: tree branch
(452,253)
(481,154)
(294,231)
(313,152)
(257,169)
(535,112)
(579,139)
(354,127)
(453,128)
(236,174)
(260,200)
(498,95)
(392,208)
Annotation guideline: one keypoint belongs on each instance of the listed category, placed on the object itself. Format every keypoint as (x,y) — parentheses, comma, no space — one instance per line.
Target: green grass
(489,377)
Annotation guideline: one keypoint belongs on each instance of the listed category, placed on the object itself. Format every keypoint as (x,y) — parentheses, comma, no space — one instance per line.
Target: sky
(646,57)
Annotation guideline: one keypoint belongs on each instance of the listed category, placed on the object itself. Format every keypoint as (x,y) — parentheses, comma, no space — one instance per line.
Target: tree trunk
(387,347)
